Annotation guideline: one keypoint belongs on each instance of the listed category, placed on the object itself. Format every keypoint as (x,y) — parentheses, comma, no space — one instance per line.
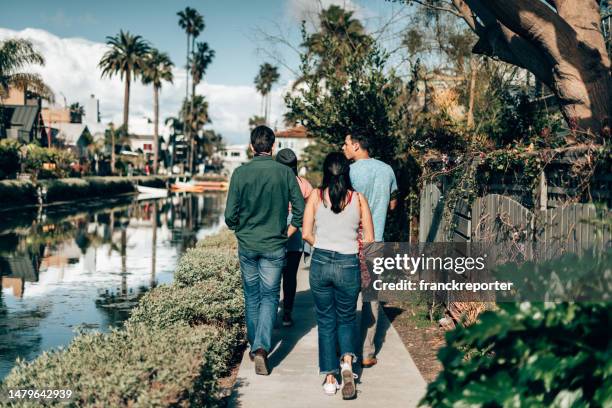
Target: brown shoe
(261,362)
(369,362)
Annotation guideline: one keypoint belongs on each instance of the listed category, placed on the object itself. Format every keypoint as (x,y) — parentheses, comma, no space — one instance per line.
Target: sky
(71,35)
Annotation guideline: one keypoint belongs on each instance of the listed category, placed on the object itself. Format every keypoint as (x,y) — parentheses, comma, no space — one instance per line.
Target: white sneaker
(348,381)
(331,388)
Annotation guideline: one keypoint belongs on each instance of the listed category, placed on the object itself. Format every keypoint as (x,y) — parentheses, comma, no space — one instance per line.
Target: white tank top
(338,232)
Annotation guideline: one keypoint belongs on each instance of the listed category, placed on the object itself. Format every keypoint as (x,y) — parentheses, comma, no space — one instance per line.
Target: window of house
(235,154)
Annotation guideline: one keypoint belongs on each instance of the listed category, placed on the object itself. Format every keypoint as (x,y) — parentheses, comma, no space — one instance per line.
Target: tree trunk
(186,132)
(155,128)
(573,45)
(126,102)
(561,43)
(191,133)
(470,114)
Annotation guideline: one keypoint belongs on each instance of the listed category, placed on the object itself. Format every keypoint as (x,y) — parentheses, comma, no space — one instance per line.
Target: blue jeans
(261,275)
(335,282)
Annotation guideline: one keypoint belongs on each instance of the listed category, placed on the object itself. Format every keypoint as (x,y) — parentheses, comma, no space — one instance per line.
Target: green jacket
(258,204)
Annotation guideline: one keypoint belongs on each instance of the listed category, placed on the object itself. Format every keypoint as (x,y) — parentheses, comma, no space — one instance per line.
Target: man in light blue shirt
(376,181)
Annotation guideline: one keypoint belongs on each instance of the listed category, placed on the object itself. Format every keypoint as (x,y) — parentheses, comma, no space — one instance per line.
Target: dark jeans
(335,282)
(261,273)
(290,279)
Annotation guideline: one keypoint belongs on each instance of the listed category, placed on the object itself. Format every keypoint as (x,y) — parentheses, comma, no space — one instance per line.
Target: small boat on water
(187,187)
(213,185)
(147,193)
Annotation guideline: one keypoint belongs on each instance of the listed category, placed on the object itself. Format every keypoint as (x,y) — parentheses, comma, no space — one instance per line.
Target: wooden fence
(519,232)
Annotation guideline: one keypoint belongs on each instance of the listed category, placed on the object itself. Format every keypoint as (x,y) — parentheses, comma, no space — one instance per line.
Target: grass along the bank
(172,351)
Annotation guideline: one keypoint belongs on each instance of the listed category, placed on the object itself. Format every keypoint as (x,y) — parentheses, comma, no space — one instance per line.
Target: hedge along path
(295,381)
(176,345)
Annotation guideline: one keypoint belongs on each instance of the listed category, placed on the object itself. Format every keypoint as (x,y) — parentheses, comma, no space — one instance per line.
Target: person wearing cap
(295,244)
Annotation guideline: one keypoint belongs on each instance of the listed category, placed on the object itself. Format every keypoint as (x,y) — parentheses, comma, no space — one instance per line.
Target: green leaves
(532,354)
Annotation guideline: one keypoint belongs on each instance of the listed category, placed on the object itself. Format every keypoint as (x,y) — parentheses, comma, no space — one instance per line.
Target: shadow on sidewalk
(286,338)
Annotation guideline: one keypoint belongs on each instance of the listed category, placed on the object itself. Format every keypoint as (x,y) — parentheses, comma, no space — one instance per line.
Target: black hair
(359,136)
(336,179)
(288,158)
(262,139)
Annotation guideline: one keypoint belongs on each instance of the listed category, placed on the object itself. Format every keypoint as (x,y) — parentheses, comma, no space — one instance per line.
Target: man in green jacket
(257,208)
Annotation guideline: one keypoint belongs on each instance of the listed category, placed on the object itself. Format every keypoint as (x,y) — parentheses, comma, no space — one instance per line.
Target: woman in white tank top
(331,223)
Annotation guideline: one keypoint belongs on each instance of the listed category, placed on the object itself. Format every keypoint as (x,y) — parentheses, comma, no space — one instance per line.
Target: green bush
(207,302)
(199,264)
(139,366)
(37,156)
(223,239)
(17,192)
(529,354)
(9,158)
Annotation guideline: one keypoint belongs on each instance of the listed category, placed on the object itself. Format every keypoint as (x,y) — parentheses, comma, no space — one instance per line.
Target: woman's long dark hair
(337,180)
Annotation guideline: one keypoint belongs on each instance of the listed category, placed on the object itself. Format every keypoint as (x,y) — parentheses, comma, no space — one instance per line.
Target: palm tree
(196,111)
(202,57)
(193,23)
(339,36)
(268,75)
(125,57)
(16,54)
(255,121)
(76,112)
(157,68)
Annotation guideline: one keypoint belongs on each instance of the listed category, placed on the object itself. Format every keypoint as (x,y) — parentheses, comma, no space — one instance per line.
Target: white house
(234,156)
(295,138)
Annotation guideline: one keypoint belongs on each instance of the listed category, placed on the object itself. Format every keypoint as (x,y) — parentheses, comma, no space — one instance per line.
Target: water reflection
(85,266)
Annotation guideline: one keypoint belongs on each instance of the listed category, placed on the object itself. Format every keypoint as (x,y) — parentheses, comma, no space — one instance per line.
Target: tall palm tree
(193,23)
(157,69)
(196,111)
(125,57)
(268,75)
(202,56)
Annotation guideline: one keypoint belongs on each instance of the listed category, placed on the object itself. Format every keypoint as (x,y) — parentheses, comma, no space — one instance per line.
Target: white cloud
(72,71)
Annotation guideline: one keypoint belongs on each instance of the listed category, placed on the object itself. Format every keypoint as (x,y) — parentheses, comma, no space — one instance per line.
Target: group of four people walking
(274,213)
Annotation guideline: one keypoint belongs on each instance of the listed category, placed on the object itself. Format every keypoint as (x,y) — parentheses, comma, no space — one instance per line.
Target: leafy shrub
(222,239)
(528,354)
(139,366)
(37,156)
(17,192)
(9,158)
(200,264)
(208,302)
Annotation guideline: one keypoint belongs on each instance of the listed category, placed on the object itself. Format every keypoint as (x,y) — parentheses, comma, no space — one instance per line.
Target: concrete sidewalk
(295,381)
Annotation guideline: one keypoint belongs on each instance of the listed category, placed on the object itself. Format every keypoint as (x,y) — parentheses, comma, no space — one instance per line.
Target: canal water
(82,267)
